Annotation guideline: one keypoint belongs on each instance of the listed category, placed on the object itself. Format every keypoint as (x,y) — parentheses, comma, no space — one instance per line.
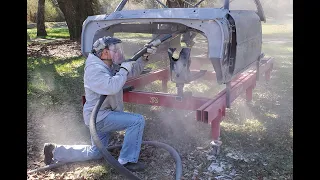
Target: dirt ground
(257,136)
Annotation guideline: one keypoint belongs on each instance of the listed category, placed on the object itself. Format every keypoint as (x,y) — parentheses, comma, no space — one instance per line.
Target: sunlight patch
(271,115)
(155,108)
(38,82)
(262,95)
(69,69)
(250,125)
(47,61)
(276,28)
(287,62)
(199,87)
(286,66)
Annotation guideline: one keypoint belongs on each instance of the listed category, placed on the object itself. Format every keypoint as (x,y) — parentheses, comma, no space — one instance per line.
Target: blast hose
(112,161)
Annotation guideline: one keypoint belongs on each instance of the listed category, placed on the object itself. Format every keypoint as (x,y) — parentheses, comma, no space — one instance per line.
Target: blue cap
(104,42)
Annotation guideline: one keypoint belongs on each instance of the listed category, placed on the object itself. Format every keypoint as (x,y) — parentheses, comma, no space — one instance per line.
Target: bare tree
(41,28)
(75,12)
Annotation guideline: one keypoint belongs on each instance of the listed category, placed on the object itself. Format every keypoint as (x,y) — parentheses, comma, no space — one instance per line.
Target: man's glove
(127,65)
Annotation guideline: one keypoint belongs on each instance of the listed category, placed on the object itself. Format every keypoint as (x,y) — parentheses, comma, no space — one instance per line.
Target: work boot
(47,151)
(135,166)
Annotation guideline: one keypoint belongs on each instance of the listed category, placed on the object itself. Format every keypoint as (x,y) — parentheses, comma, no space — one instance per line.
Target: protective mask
(116,52)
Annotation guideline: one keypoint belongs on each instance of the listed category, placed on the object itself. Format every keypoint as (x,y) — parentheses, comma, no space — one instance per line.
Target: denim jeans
(115,121)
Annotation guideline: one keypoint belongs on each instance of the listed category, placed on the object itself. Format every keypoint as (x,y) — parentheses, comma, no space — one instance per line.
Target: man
(105,73)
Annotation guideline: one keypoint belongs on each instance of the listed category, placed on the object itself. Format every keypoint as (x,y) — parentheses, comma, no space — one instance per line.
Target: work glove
(127,65)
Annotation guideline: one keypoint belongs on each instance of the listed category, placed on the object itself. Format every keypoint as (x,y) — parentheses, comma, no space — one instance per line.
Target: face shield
(116,52)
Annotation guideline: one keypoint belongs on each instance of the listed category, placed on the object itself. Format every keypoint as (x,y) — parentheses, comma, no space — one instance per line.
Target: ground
(257,136)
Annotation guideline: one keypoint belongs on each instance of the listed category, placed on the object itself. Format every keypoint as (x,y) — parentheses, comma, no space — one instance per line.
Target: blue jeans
(115,121)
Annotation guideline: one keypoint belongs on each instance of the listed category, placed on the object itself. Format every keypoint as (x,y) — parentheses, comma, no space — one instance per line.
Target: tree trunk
(75,12)
(41,28)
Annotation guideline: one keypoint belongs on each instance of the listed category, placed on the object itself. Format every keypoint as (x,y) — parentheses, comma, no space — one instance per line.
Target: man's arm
(97,79)
(141,62)
(137,68)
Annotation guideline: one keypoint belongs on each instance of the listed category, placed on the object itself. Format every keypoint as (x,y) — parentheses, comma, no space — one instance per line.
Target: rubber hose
(112,161)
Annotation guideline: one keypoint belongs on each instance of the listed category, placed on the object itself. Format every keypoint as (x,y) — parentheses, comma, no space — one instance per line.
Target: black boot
(47,151)
(135,166)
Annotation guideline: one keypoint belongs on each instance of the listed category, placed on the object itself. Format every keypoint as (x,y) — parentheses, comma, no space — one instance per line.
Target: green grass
(60,79)
(99,172)
(132,35)
(52,33)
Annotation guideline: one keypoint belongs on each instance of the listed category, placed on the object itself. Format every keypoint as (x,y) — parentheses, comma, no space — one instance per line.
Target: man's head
(109,48)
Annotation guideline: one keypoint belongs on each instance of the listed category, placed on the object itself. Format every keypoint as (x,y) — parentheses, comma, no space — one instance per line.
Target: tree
(41,28)
(75,12)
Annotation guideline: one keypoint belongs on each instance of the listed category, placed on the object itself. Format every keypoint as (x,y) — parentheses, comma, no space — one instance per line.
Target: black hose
(172,152)
(112,161)
(50,166)
(106,155)
(144,49)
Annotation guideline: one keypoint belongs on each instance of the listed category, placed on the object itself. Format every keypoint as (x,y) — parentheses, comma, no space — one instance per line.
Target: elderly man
(105,73)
